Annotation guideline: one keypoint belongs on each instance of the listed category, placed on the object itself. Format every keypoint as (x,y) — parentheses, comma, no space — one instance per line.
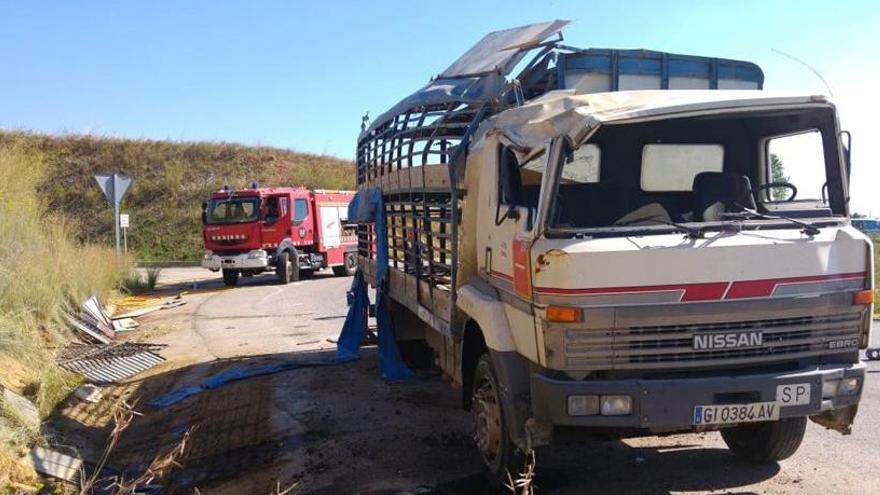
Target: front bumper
(244,261)
(668,404)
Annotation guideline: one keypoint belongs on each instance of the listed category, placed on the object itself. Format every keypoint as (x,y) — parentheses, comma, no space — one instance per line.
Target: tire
(230,277)
(283,268)
(493,441)
(348,266)
(766,442)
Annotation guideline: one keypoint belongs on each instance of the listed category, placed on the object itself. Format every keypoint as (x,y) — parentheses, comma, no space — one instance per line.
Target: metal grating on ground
(109,363)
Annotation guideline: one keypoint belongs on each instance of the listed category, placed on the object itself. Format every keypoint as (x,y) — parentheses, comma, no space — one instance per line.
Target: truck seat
(719,192)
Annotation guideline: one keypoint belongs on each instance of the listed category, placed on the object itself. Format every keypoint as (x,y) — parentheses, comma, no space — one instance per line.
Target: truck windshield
(700,173)
(235,210)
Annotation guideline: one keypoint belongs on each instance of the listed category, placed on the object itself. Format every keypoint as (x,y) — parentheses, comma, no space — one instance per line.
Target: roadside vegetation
(43,270)
(171,179)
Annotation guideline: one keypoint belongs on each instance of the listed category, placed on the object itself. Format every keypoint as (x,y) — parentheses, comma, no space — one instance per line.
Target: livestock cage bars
(416,151)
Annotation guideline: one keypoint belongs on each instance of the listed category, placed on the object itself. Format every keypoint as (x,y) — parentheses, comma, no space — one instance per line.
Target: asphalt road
(341,429)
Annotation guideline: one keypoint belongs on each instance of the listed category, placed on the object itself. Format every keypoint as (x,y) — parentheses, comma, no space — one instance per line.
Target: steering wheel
(773,185)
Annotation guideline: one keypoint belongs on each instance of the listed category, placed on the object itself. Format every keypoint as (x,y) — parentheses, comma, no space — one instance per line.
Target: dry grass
(171,181)
(42,271)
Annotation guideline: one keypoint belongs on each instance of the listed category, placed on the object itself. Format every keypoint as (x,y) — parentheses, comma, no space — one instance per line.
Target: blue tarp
(232,375)
(367,207)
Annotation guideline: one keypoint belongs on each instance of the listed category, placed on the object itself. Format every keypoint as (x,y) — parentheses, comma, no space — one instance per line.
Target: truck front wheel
(284,269)
(230,277)
(490,431)
(766,442)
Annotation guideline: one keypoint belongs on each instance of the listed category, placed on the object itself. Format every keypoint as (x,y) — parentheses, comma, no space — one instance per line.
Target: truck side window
(798,159)
(520,183)
(300,210)
(581,165)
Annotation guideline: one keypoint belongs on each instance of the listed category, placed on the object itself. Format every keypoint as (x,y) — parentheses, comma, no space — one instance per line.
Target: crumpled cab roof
(563,112)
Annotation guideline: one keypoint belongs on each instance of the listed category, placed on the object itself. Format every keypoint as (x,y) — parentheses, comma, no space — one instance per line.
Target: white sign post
(123,222)
(114,187)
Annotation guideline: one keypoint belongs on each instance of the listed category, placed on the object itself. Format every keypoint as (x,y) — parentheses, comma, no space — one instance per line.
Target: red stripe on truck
(764,288)
(707,291)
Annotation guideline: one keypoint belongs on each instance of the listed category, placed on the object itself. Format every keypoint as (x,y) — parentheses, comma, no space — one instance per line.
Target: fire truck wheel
(230,277)
(284,268)
(499,452)
(348,267)
(766,442)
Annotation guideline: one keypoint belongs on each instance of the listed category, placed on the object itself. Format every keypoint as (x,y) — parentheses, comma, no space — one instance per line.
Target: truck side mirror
(204,213)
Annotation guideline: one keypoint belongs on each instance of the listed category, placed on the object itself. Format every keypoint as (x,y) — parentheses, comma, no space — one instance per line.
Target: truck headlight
(583,405)
(256,253)
(616,405)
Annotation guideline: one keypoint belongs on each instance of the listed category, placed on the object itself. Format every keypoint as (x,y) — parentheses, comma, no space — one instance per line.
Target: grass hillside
(171,179)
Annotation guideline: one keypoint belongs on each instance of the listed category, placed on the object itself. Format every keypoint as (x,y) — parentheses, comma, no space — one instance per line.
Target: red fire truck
(292,231)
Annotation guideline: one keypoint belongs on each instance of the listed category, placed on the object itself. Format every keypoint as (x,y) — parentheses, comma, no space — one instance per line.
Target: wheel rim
(350,262)
(487,421)
(290,269)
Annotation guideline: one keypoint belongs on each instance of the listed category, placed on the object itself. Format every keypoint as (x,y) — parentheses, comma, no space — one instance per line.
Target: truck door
(303,231)
(274,212)
(508,225)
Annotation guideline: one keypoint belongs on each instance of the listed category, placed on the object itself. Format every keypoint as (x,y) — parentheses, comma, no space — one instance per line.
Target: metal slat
(110,363)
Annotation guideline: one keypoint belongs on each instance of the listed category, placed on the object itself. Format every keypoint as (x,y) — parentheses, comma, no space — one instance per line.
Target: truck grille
(671,346)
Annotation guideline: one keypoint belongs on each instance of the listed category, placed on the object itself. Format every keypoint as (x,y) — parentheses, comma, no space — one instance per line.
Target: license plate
(736,413)
(793,394)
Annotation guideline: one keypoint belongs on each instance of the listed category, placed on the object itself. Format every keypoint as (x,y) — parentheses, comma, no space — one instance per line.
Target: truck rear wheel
(348,266)
(766,442)
(284,268)
(230,277)
(499,452)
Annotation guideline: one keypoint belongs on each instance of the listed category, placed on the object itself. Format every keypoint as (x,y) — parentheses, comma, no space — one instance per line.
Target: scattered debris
(55,464)
(23,409)
(92,333)
(88,393)
(109,363)
(173,303)
(140,311)
(92,308)
(124,324)
(309,342)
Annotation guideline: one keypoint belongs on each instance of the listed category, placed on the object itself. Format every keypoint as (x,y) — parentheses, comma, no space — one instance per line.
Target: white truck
(604,242)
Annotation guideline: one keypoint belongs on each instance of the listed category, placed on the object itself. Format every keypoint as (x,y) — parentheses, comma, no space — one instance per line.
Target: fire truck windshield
(234,210)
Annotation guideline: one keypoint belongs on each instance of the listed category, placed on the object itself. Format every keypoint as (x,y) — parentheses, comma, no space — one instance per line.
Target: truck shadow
(342,429)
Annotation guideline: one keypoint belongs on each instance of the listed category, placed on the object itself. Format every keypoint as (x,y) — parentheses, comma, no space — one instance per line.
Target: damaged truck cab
(596,244)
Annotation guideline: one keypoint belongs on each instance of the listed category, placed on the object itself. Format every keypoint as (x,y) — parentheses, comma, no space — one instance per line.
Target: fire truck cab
(289,230)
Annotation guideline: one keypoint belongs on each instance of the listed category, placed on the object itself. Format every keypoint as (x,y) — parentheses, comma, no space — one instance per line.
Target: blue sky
(299,75)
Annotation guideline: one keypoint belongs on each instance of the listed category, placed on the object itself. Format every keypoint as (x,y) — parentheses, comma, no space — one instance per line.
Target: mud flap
(839,420)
